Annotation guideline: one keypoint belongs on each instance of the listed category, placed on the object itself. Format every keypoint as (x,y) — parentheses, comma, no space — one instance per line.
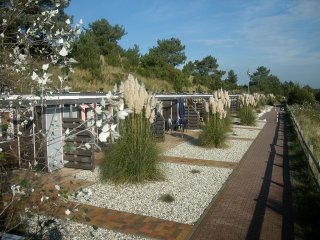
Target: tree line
(99,43)
(165,59)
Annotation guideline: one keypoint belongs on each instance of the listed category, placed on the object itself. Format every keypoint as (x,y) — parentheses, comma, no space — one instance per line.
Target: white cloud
(285,32)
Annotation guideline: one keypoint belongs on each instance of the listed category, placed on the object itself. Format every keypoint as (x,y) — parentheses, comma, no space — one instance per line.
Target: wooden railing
(314,163)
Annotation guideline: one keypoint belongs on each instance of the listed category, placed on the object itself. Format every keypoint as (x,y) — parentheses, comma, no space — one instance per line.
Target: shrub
(247,116)
(246,111)
(300,95)
(135,157)
(167,198)
(214,132)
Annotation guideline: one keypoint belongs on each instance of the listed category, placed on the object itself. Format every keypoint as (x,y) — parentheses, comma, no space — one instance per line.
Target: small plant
(4,127)
(195,171)
(167,198)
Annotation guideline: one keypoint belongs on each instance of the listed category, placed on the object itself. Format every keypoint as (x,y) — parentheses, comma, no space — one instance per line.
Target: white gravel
(69,230)
(192,193)
(259,125)
(244,133)
(233,153)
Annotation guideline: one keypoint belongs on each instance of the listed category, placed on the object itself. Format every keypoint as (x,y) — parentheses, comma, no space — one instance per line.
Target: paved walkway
(256,200)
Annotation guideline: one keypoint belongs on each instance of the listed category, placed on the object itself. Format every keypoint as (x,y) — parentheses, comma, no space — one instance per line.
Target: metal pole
(249,74)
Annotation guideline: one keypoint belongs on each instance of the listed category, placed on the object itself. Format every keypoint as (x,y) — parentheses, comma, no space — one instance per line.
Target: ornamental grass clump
(135,157)
(260,101)
(246,112)
(214,132)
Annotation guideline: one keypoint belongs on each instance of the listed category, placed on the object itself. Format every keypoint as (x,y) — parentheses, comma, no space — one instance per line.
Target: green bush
(135,157)
(214,132)
(167,198)
(247,116)
(300,96)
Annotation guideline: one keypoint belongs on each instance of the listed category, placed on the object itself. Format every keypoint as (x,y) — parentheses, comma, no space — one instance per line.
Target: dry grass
(82,80)
(309,121)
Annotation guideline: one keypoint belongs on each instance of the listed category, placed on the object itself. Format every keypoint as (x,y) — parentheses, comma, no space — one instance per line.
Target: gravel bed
(259,125)
(69,230)
(244,133)
(233,153)
(192,193)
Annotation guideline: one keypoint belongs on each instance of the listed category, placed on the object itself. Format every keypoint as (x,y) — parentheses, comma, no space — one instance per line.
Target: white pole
(34,135)
(18,138)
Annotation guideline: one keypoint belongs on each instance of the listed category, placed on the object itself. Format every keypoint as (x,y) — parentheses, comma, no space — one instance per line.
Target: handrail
(308,152)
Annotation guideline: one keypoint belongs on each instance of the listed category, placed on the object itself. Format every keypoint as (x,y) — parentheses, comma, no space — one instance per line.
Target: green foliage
(86,51)
(107,36)
(247,116)
(135,157)
(214,132)
(205,72)
(132,58)
(231,80)
(300,96)
(317,95)
(195,171)
(2,156)
(100,39)
(305,189)
(25,183)
(168,52)
(263,81)
(167,198)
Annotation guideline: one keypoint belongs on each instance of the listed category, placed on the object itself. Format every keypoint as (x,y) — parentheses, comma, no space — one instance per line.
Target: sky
(282,35)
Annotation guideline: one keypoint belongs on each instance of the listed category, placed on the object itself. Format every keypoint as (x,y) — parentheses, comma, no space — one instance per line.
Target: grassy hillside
(82,80)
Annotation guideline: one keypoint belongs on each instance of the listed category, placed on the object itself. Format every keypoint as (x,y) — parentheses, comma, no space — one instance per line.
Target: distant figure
(178,123)
(169,124)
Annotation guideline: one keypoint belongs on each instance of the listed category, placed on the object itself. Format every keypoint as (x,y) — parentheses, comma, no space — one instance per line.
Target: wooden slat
(74,125)
(78,139)
(68,120)
(79,152)
(80,166)
(72,158)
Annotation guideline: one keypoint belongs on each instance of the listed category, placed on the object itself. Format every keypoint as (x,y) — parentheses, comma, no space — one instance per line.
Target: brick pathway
(124,222)
(256,200)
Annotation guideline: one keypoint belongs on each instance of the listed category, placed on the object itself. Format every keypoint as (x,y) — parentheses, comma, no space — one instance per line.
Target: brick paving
(124,222)
(256,200)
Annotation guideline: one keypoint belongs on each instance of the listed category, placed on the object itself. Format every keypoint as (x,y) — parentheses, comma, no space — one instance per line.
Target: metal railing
(313,162)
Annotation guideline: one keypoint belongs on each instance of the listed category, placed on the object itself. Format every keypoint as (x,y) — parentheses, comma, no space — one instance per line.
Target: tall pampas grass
(246,112)
(214,132)
(135,157)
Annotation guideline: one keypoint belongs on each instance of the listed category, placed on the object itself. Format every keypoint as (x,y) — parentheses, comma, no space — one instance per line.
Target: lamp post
(250,75)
